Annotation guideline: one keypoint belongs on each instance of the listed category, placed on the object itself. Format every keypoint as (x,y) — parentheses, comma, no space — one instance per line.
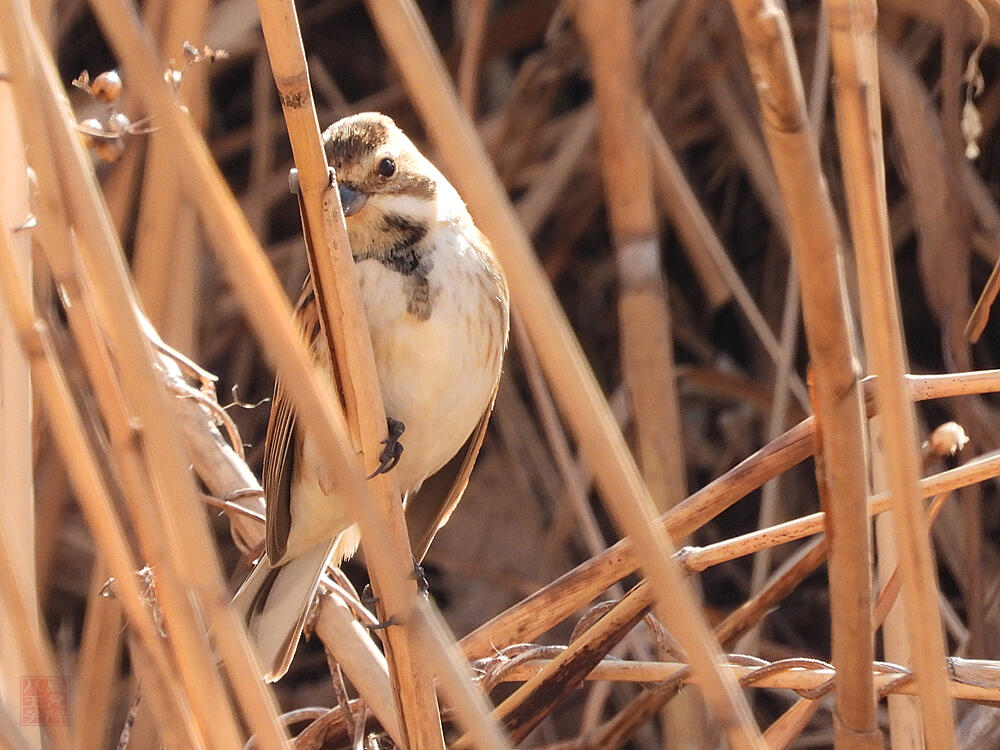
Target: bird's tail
(274,602)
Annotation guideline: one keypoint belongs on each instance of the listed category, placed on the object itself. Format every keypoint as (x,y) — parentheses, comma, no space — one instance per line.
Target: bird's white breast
(436,375)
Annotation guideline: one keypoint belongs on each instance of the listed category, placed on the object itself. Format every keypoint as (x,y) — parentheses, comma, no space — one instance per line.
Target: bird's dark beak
(351,199)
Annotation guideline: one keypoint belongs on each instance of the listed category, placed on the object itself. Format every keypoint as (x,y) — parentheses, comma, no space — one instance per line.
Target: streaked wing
(279,445)
(422,538)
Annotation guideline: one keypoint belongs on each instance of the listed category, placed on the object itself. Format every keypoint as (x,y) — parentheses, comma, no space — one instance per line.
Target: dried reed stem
(795,675)
(695,228)
(71,441)
(464,697)
(859,125)
(360,659)
(643,307)
(165,257)
(97,666)
(699,558)
(472,50)
(17,493)
(32,650)
(550,605)
(408,41)
(344,325)
(840,471)
(183,552)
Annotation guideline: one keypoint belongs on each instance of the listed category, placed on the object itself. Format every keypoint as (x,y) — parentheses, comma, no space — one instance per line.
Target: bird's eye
(386,168)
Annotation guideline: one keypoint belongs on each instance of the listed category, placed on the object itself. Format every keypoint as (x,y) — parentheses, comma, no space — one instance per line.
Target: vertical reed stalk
(815,243)
(254,281)
(96,678)
(905,725)
(859,125)
(643,307)
(343,321)
(93,496)
(408,41)
(185,557)
(166,250)
(17,500)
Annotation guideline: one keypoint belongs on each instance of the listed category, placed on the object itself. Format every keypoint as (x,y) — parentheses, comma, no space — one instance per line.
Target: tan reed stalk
(840,473)
(70,439)
(31,650)
(361,661)
(893,581)
(805,674)
(256,199)
(51,503)
(183,553)
(344,324)
(90,488)
(783,581)
(215,461)
(770,493)
(859,126)
(12,734)
(165,258)
(465,698)
(611,37)
(699,558)
(26,651)
(97,666)
(17,493)
(247,269)
(473,37)
(905,724)
(697,232)
(408,41)
(643,308)
(550,605)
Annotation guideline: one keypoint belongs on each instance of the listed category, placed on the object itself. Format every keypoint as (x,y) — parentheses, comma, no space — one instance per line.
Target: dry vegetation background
(663,207)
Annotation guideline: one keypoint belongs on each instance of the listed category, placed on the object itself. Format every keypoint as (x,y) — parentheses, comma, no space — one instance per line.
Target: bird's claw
(368,597)
(384,624)
(420,577)
(393,449)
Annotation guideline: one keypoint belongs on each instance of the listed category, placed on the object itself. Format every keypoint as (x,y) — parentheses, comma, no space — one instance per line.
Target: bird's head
(385,183)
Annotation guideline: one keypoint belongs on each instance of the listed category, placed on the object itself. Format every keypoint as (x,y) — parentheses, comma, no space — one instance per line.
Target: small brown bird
(437,308)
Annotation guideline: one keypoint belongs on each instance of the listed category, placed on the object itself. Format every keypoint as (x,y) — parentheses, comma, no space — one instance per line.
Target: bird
(437,306)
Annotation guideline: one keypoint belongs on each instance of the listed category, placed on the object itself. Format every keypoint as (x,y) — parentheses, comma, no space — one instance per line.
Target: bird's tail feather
(274,602)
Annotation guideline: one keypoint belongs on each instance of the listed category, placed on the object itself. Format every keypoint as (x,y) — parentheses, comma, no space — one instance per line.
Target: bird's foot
(420,577)
(368,597)
(387,622)
(392,449)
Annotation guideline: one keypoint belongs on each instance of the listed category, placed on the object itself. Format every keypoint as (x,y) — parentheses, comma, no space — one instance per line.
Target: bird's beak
(351,199)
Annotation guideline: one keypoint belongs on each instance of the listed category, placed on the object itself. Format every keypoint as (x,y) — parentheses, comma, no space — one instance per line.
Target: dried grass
(569,129)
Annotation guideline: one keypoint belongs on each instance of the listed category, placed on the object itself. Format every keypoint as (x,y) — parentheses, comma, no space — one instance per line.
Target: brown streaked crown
(350,140)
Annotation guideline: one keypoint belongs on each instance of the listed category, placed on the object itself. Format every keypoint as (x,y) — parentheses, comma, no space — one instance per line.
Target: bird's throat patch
(406,256)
